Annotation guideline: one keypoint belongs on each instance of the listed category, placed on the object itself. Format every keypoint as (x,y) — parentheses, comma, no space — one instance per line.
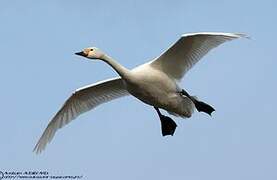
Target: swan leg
(200,106)
(167,124)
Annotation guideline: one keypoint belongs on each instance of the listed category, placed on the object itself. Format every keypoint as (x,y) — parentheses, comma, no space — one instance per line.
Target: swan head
(91,53)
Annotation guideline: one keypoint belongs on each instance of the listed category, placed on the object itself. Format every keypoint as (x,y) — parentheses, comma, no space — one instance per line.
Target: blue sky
(122,139)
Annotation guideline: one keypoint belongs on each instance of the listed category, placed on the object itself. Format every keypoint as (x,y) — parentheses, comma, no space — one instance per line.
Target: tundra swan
(154,83)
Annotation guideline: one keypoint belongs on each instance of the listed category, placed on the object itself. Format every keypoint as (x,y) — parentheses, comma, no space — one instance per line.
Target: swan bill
(81,54)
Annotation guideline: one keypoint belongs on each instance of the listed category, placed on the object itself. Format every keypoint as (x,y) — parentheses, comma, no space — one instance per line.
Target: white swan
(154,83)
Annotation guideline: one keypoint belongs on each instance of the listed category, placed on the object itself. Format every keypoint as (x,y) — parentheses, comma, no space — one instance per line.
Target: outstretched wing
(188,50)
(82,100)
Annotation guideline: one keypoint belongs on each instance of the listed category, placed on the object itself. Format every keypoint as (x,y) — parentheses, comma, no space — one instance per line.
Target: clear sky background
(122,139)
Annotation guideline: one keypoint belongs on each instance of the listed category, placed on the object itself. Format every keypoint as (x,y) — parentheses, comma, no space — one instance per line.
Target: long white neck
(121,70)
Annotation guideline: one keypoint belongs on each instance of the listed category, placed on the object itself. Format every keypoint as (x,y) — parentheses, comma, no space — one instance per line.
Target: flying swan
(154,83)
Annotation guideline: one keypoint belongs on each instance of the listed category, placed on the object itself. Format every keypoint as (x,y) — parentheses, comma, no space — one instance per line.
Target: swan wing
(188,50)
(82,100)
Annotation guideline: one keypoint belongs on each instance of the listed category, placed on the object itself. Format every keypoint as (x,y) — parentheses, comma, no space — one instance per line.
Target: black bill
(81,53)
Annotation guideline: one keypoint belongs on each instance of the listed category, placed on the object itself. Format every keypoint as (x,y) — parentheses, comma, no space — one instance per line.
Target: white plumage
(82,100)
(188,50)
(154,83)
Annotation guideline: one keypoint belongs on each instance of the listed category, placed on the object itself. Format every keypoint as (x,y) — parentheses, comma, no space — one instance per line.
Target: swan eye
(91,49)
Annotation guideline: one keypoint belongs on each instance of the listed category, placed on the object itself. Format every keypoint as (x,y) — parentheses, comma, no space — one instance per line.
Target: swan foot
(167,124)
(200,106)
(203,107)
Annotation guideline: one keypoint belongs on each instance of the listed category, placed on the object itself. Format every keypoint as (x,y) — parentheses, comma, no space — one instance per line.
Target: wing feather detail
(81,101)
(188,50)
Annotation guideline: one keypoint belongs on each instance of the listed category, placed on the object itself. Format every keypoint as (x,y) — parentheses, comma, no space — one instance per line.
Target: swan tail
(187,108)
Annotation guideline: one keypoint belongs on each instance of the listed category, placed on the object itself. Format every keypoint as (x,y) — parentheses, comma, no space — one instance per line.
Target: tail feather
(187,108)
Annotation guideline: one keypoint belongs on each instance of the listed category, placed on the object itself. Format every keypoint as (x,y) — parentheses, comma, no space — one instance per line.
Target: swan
(154,83)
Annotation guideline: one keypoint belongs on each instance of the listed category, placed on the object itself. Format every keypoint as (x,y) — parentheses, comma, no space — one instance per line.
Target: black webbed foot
(200,106)
(168,125)
(203,107)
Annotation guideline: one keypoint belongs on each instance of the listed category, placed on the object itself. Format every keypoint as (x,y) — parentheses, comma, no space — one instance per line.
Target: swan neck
(121,70)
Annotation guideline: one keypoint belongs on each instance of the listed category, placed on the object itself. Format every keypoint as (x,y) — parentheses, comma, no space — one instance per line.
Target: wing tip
(242,35)
(236,35)
(38,148)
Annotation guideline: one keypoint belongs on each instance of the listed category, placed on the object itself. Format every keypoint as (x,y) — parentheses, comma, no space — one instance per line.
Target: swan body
(154,83)
(156,88)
